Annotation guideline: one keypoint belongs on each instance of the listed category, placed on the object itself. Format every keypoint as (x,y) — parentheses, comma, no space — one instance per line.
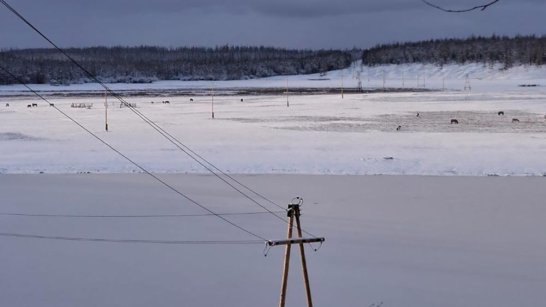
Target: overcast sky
(281,23)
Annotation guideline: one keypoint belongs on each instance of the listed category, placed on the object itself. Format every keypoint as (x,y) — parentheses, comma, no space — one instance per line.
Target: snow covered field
(317,134)
(402,240)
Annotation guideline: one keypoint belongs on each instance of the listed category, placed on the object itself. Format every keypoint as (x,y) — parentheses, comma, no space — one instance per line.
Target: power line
(482,7)
(139,166)
(103,240)
(156,127)
(128,216)
(167,185)
(175,141)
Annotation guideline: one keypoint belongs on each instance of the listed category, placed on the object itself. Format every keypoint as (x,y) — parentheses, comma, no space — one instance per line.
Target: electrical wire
(164,183)
(131,161)
(156,127)
(175,141)
(127,216)
(104,240)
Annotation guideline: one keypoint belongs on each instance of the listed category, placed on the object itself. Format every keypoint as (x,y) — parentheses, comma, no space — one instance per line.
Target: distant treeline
(147,64)
(509,51)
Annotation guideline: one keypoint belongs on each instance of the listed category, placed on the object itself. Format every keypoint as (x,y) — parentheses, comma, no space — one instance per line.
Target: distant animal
(241,99)
(29,106)
(166,101)
(500,113)
(454,121)
(515,120)
(151,102)
(398,128)
(51,104)
(34,105)
(418,114)
(7,104)
(191,99)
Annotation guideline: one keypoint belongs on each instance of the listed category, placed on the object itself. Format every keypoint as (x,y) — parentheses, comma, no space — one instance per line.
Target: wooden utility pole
(212,101)
(287,102)
(467,83)
(342,83)
(286,264)
(106,110)
(294,215)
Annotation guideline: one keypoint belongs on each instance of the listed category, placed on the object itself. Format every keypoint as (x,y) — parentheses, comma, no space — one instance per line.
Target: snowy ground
(480,77)
(402,240)
(317,134)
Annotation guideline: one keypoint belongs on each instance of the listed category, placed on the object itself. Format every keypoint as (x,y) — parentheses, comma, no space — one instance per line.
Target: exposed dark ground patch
(468,121)
(217,92)
(16,136)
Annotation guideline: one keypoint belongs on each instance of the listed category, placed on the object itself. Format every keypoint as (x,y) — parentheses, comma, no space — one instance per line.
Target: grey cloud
(283,23)
(279,8)
(276,8)
(325,8)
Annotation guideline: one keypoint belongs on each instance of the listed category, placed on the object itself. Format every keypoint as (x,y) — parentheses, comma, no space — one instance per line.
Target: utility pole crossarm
(294,241)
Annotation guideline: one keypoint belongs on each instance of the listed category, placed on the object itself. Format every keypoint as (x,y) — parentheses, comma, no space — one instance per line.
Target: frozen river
(400,240)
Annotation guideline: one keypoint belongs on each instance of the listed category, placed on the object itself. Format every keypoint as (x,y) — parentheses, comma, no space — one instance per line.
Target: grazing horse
(515,120)
(454,121)
(398,128)
(241,99)
(34,105)
(29,106)
(418,114)
(191,99)
(51,104)
(500,113)
(7,104)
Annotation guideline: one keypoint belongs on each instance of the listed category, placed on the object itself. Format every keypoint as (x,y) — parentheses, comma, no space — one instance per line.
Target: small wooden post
(212,101)
(106,110)
(287,102)
(342,83)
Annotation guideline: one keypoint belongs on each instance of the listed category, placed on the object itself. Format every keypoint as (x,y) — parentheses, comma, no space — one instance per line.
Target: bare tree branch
(479,7)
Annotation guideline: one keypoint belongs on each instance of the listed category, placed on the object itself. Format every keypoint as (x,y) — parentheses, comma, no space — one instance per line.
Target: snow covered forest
(147,64)
(519,50)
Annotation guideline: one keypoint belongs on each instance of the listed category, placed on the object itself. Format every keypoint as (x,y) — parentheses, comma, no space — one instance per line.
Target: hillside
(519,50)
(147,64)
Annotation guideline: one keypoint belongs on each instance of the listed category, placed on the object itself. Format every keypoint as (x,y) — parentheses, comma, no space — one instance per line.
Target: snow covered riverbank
(317,134)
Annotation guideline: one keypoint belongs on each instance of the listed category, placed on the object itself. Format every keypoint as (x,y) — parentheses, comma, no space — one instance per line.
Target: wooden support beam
(303,262)
(286,264)
(294,241)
